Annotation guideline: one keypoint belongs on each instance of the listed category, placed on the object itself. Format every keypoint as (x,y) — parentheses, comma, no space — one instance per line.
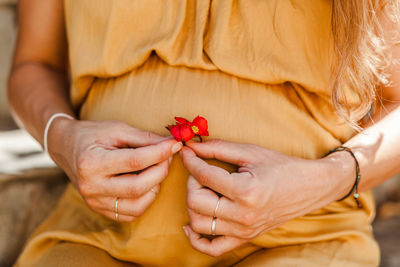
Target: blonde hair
(362,54)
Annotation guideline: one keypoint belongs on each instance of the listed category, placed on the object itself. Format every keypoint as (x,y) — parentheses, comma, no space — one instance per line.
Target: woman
(260,72)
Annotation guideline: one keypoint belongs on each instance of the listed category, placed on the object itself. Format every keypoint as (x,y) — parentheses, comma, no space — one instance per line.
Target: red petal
(176,133)
(182,120)
(202,124)
(204,133)
(186,133)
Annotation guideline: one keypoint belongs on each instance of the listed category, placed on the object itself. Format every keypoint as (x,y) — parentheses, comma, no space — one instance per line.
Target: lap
(339,253)
(349,252)
(78,255)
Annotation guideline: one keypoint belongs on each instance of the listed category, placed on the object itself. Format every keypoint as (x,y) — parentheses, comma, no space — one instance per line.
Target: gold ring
(213,223)
(116,209)
(216,208)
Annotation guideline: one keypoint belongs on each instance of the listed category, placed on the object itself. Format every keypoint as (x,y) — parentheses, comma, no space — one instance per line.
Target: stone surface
(25,201)
(387,233)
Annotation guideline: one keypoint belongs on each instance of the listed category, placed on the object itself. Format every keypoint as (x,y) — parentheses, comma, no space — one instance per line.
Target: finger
(127,136)
(128,206)
(204,201)
(197,193)
(210,176)
(202,224)
(134,185)
(135,159)
(214,247)
(121,218)
(234,153)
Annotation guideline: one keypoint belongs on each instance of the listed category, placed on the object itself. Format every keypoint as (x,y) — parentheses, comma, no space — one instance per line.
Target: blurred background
(30,183)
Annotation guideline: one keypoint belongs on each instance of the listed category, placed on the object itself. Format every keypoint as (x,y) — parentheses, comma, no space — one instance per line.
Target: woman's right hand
(111,159)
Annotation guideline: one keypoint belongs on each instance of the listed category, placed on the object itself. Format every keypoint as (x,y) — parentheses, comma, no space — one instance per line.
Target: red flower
(182,132)
(185,130)
(200,126)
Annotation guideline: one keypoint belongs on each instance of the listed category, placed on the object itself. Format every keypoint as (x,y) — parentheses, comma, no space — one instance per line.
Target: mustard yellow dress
(258,70)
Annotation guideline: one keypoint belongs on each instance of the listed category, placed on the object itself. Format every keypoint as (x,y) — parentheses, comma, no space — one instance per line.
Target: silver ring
(216,208)
(116,209)
(213,223)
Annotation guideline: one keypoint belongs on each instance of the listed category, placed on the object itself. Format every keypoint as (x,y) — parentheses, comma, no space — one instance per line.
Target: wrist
(340,169)
(60,124)
(58,134)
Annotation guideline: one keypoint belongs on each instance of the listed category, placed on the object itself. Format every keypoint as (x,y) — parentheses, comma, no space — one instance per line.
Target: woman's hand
(268,190)
(106,160)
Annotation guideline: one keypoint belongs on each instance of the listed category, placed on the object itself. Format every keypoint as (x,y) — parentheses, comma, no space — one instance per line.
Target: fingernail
(185,230)
(176,147)
(170,160)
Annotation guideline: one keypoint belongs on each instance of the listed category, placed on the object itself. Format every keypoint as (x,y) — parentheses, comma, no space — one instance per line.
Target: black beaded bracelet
(354,189)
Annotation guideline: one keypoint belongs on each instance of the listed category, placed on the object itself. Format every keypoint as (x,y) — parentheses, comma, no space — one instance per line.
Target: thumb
(234,153)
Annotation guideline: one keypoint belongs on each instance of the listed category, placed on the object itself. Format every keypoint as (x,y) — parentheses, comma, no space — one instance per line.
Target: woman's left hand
(268,190)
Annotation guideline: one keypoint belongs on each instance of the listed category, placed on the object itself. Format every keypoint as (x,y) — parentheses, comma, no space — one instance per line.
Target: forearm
(377,149)
(35,92)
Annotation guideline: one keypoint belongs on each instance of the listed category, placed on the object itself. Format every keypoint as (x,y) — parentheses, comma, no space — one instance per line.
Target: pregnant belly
(238,110)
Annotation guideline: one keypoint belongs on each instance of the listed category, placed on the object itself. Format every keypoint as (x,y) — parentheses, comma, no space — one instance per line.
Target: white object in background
(19,151)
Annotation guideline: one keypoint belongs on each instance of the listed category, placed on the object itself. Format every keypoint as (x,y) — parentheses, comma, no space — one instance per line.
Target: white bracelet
(46,130)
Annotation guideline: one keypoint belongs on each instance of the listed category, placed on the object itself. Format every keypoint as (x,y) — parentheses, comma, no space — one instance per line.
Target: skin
(262,195)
